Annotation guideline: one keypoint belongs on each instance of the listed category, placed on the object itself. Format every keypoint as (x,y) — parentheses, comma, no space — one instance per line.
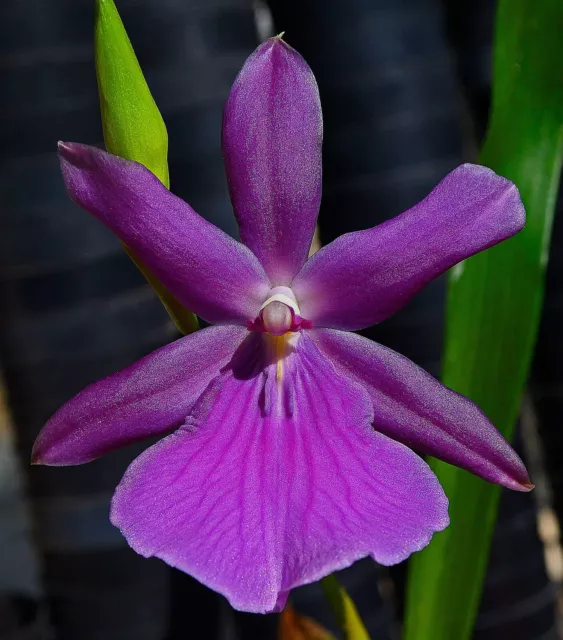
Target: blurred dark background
(405,91)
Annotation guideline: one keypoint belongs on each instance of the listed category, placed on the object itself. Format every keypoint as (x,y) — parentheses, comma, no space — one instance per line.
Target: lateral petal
(149,398)
(364,277)
(216,277)
(414,408)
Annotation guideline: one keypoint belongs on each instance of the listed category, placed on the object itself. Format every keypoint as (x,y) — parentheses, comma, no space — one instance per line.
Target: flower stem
(344,610)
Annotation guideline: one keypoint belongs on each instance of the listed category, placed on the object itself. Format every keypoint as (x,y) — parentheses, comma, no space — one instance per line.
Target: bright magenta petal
(277,481)
(272,135)
(149,398)
(414,408)
(364,277)
(213,275)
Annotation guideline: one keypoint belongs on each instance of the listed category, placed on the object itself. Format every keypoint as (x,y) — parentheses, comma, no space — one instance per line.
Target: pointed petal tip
(71,152)
(276,41)
(39,460)
(44,463)
(279,44)
(42,456)
(64,147)
(35,457)
(82,156)
(514,476)
(517,480)
(276,46)
(514,484)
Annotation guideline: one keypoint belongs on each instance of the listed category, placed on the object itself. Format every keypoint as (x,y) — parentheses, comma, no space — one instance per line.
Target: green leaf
(132,124)
(344,610)
(493,308)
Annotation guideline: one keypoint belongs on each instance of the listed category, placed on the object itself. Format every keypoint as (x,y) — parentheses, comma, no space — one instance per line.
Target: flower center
(279,314)
(277,318)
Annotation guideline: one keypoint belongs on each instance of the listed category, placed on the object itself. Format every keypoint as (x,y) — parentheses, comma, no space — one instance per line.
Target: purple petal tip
(47,457)
(65,148)
(41,458)
(36,455)
(528,486)
(73,154)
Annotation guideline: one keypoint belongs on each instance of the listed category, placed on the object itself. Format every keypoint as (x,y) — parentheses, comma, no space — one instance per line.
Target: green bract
(132,124)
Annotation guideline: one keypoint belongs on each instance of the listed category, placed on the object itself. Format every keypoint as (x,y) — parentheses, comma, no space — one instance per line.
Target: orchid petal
(364,277)
(414,408)
(212,274)
(149,398)
(272,136)
(276,480)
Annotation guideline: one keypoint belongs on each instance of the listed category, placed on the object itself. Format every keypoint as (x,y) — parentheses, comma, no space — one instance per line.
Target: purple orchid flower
(288,457)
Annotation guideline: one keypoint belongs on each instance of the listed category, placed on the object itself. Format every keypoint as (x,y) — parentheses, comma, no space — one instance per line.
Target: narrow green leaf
(132,124)
(493,309)
(344,610)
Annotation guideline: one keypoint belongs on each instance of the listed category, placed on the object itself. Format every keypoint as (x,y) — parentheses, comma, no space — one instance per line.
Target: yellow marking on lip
(279,346)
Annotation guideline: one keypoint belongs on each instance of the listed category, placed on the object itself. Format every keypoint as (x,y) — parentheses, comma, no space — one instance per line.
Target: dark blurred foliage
(405,90)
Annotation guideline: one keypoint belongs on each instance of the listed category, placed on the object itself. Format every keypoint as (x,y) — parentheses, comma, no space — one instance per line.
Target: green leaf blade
(493,309)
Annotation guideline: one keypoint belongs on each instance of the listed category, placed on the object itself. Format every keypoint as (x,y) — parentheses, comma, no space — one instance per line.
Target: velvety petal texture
(414,408)
(276,480)
(149,398)
(364,277)
(272,136)
(216,277)
(285,454)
